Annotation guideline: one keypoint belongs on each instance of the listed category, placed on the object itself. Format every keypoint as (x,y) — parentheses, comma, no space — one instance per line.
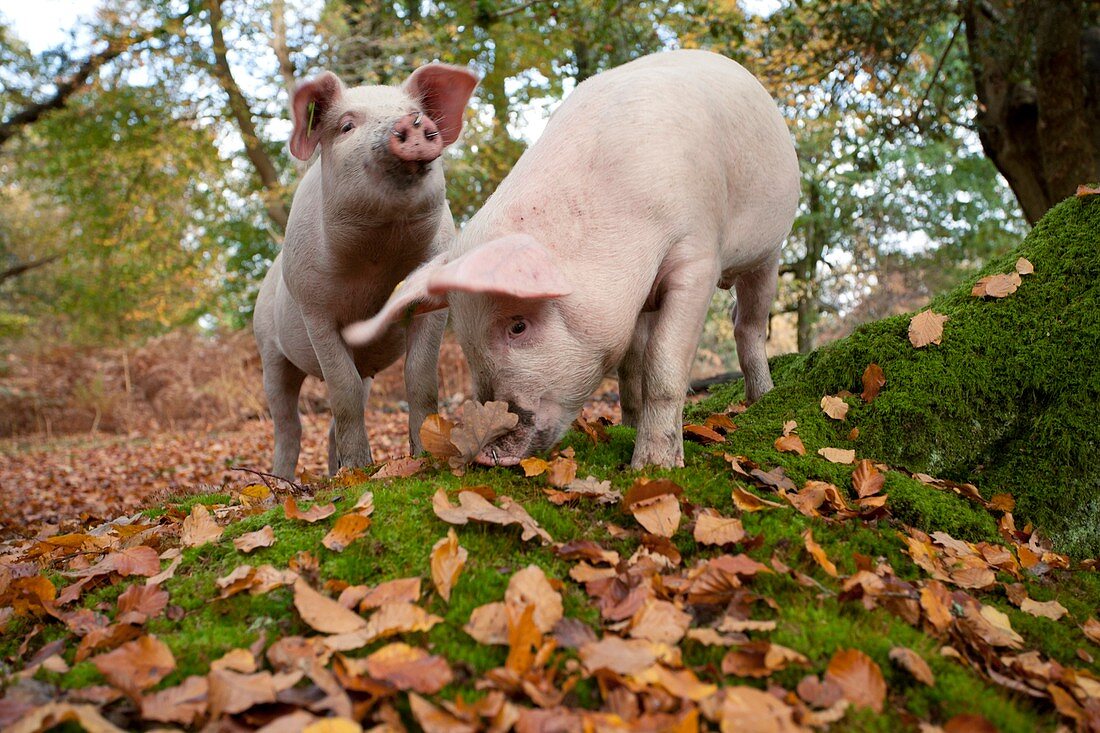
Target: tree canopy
(144,178)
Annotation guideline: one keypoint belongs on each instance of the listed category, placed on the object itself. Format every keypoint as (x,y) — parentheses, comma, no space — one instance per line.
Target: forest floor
(65,482)
(724,594)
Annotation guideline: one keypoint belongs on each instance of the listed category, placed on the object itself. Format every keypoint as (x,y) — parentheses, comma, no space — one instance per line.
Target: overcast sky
(45,23)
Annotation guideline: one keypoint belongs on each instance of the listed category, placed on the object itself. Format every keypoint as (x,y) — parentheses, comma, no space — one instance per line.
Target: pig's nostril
(398,134)
(432,135)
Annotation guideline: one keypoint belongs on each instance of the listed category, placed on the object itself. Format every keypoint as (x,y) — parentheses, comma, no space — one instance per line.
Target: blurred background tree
(144,178)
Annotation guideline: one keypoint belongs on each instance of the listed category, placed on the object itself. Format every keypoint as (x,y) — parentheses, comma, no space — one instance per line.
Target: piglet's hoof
(662,452)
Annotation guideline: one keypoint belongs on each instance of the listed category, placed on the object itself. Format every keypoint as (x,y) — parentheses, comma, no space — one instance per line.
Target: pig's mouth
(408,172)
(512,448)
(400,172)
(524,440)
(415,168)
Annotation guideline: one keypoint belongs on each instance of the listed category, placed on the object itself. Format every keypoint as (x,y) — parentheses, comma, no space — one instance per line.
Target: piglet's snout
(414,139)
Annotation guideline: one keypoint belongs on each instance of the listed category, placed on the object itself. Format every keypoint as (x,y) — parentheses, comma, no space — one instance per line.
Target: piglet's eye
(517,328)
(347,126)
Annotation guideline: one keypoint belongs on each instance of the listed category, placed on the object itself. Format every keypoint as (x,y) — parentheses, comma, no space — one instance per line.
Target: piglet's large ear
(515,265)
(409,299)
(443,91)
(312,100)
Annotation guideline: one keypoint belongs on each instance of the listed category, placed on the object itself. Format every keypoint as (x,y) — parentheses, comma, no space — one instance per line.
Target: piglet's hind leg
(755,295)
(673,336)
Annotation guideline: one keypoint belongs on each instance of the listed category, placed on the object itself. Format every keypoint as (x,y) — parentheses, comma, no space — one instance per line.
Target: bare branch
(279,45)
(25,267)
(286,64)
(264,476)
(515,9)
(936,72)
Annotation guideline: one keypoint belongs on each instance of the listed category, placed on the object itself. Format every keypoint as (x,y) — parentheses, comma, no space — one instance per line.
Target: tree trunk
(806,272)
(582,57)
(242,113)
(279,45)
(1033,118)
(807,316)
(1068,159)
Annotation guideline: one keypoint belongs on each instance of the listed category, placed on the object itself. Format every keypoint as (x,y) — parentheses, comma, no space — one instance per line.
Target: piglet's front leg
(422,341)
(673,334)
(346,391)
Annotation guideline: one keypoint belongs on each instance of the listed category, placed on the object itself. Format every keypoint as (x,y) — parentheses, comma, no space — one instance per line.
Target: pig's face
(521,332)
(380,145)
(523,351)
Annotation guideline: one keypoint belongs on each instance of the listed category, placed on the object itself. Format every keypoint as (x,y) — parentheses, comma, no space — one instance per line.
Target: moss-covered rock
(1009,401)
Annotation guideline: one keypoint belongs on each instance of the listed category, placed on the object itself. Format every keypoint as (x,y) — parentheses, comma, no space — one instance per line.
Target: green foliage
(897,195)
(12,324)
(119,179)
(882,159)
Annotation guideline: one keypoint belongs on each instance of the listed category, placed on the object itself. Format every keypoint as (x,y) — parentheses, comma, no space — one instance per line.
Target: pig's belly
(369,358)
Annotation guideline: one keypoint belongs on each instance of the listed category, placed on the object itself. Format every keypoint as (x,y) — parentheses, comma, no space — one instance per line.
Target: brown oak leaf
(481,425)
(834,407)
(859,677)
(136,665)
(473,506)
(409,668)
(315,513)
(926,328)
(447,560)
(347,529)
(250,541)
(435,436)
(790,444)
(324,614)
(913,663)
(873,380)
(866,479)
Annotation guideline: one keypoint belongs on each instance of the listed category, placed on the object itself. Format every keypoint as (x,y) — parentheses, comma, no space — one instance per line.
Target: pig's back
(670,145)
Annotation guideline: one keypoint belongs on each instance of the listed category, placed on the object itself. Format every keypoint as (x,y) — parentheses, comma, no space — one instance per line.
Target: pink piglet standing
(364,216)
(653,184)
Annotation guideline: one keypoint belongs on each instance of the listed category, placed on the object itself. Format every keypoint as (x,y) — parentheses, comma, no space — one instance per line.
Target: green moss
(1009,401)
(930,510)
(820,629)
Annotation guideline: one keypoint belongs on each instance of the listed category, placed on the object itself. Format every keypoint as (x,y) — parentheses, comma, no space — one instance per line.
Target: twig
(704,385)
(23,267)
(515,9)
(241,112)
(936,72)
(265,476)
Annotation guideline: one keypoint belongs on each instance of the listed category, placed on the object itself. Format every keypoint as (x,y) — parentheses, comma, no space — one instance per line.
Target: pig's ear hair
(443,91)
(409,299)
(515,265)
(312,100)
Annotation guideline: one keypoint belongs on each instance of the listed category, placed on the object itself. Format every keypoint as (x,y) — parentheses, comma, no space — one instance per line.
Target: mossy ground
(811,621)
(1007,401)
(1010,400)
